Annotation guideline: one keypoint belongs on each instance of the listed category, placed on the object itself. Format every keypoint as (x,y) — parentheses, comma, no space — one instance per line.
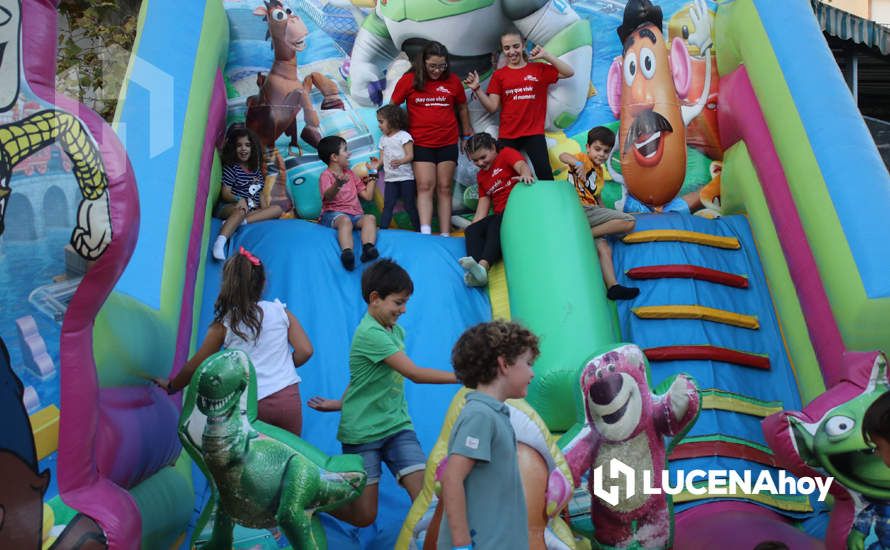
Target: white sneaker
(478,273)
(219,248)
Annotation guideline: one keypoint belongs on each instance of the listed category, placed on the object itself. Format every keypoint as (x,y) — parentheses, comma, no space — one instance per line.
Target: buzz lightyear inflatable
(471,30)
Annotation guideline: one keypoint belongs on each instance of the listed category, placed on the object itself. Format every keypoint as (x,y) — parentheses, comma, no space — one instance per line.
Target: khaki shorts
(598,215)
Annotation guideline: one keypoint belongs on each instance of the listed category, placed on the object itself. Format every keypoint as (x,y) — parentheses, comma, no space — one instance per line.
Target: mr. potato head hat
(636,13)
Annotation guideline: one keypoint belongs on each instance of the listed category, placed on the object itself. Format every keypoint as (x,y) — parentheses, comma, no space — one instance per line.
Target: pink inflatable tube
(846,372)
(737,525)
(80,482)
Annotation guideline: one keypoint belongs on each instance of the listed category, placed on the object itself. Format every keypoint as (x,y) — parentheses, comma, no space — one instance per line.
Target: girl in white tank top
(265,331)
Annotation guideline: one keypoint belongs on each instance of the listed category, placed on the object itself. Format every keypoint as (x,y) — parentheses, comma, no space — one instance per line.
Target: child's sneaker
(369,252)
(618,292)
(219,248)
(476,274)
(347,258)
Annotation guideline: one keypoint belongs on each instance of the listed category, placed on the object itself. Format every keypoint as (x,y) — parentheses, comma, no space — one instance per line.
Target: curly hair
(394,115)
(475,355)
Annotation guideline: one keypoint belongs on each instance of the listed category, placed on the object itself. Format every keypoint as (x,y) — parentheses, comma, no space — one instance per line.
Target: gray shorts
(598,215)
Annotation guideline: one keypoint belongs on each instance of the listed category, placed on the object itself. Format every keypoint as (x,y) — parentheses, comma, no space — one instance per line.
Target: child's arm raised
(298,340)
(454,498)
(401,363)
(565,70)
(212,343)
(367,194)
(331,192)
(491,102)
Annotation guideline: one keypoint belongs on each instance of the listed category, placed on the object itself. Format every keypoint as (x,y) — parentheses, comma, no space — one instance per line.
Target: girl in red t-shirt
(432,95)
(499,170)
(519,89)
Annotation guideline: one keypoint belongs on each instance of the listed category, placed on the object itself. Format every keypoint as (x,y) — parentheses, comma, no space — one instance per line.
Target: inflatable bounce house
(761,252)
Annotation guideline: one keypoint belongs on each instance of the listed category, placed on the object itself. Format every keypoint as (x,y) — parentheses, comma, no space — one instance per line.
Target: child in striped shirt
(241,197)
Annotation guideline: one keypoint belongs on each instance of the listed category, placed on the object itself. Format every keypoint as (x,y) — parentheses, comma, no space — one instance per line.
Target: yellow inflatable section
(531,431)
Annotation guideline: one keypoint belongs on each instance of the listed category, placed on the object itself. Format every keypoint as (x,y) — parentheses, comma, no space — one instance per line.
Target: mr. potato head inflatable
(645,87)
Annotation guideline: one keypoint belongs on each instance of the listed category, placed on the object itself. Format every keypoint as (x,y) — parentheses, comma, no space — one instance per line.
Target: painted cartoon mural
(646,87)
(471,33)
(281,96)
(40,145)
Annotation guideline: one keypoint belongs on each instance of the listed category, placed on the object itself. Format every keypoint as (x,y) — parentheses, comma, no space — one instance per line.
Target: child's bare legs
(425,175)
(413,483)
(444,178)
(604,251)
(613,227)
(343,225)
(362,511)
(234,214)
(272,212)
(614,290)
(368,225)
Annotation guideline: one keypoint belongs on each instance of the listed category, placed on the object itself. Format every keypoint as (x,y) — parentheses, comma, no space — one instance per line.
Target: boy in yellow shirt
(586,172)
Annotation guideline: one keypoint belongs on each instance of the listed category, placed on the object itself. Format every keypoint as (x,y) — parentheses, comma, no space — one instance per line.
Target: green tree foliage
(95,41)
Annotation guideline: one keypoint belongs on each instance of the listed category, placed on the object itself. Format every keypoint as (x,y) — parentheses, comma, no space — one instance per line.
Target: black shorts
(435,154)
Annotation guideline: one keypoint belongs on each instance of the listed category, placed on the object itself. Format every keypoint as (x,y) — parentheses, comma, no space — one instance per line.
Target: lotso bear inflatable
(626,422)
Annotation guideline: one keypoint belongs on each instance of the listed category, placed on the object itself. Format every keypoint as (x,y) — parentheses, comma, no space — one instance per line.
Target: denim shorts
(401,452)
(327,218)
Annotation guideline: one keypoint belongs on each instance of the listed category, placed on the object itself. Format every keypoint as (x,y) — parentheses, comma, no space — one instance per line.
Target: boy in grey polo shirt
(481,488)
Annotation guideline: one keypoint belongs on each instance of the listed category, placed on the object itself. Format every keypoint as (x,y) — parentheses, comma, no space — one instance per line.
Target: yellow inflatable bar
(681,235)
(698,312)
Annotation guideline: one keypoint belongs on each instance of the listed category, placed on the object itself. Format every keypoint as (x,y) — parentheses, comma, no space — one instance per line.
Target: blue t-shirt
(244,185)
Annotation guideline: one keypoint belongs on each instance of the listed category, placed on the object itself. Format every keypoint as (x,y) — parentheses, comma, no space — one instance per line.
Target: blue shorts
(401,452)
(327,218)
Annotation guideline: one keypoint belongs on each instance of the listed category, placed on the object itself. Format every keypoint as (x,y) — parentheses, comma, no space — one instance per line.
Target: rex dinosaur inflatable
(261,476)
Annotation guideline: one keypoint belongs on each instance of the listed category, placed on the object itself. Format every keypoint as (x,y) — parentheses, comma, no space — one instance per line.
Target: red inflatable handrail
(707,353)
(685,271)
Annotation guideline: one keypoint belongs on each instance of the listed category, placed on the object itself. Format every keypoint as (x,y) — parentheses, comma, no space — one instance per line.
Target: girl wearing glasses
(433,95)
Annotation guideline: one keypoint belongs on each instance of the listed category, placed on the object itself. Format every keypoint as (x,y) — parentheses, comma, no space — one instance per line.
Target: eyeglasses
(437,66)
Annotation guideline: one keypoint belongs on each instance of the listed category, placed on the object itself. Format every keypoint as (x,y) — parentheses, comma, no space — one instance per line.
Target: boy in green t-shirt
(481,488)
(374,421)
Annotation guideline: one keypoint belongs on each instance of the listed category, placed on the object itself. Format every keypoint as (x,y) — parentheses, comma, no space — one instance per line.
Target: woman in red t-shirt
(433,95)
(519,89)
(499,170)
